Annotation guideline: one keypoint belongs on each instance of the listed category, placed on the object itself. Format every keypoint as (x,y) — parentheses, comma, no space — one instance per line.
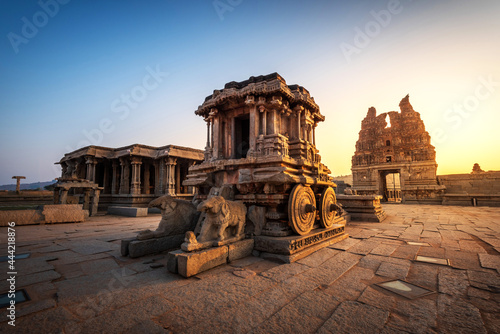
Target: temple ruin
(394,157)
(132,175)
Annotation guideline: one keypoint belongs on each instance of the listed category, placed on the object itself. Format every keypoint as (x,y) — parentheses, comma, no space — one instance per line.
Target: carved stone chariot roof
(263,85)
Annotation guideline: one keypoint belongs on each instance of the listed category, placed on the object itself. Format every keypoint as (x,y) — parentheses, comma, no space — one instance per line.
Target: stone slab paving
(79,283)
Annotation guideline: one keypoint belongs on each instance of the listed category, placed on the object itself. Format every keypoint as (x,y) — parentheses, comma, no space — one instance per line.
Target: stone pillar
(57,196)
(95,203)
(64,196)
(254,123)
(86,199)
(18,183)
(170,163)
(216,139)
(91,162)
(264,120)
(158,184)
(212,134)
(298,125)
(275,122)
(178,178)
(105,179)
(114,177)
(314,133)
(136,176)
(125,175)
(146,178)
(208,132)
(232,139)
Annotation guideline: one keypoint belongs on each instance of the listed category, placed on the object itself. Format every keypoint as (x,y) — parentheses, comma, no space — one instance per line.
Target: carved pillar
(216,138)
(275,122)
(95,203)
(211,135)
(178,178)
(254,123)
(232,140)
(263,110)
(86,199)
(125,176)
(170,163)
(208,132)
(114,177)
(146,179)
(57,196)
(158,185)
(208,147)
(299,127)
(64,196)
(314,133)
(136,176)
(91,162)
(105,179)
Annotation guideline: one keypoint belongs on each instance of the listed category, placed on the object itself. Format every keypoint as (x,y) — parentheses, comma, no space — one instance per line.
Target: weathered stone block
(124,246)
(127,211)
(63,213)
(240,249)
(138,248)
(172,260)
(20,217)
(193,263)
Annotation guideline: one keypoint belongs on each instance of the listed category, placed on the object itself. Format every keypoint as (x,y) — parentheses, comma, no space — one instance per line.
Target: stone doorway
(242,137)
(390,186)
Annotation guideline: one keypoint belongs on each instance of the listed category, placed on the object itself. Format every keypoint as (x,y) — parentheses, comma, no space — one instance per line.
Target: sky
(114,73)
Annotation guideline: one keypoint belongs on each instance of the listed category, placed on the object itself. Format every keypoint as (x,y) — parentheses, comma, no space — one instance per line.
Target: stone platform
(78,281)
(188,264)
(292,248)
(365,208)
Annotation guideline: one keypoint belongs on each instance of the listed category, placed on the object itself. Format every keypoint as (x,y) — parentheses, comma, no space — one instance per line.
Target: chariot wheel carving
(302,209)
(327,210)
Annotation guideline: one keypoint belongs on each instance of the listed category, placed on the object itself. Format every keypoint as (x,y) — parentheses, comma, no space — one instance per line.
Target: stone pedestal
(188,264)
(363,207)
(137,248)
(292,248)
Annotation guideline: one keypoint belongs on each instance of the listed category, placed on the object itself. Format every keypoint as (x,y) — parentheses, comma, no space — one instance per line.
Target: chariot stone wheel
(302,209)
(326,207)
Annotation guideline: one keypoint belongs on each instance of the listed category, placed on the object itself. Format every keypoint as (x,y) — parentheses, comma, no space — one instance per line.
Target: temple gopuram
(132,175)
(394,158)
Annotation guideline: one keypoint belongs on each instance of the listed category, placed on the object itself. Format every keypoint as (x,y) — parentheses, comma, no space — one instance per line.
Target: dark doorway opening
(390,186)
(242,137)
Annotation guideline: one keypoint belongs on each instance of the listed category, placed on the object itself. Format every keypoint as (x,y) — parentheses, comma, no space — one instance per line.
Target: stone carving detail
(177,217)
(224,223)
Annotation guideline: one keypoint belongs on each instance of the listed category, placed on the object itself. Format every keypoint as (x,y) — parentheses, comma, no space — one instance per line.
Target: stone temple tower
(394,157)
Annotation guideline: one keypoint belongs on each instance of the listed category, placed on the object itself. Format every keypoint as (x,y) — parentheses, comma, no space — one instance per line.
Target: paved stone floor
(79,283)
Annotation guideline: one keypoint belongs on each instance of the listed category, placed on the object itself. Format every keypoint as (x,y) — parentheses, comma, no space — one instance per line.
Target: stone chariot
(261,142)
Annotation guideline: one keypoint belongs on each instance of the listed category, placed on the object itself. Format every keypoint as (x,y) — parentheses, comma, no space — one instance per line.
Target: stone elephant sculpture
(221,214)
(177,217)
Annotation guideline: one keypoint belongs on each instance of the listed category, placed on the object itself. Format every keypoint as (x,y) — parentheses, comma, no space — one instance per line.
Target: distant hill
(26,186)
